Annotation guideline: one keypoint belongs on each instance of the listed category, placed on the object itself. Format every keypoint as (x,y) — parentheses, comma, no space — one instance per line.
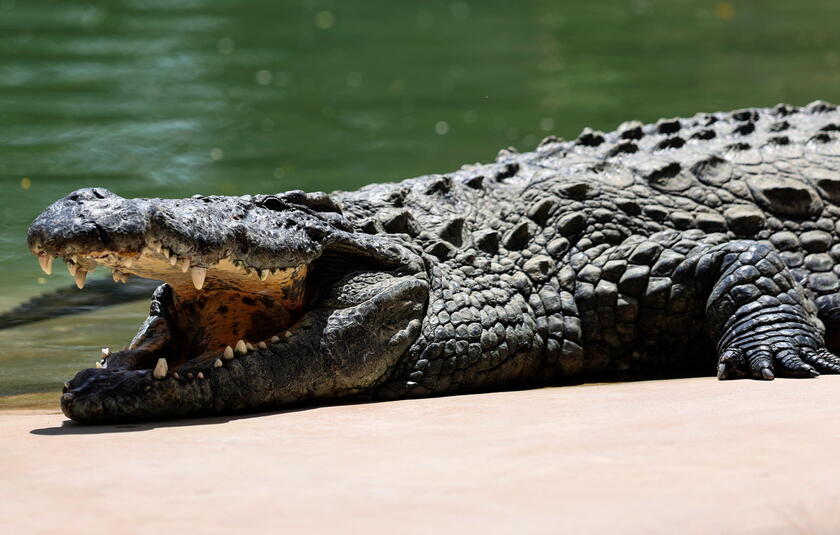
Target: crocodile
(693,246)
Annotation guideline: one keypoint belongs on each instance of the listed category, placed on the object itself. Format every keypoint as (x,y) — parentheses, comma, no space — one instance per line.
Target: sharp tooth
(176,375)
(66,385)
(116,275)
(72,268)
(74,258)
(275,339)
(241,348)
(200,375)
(262,345)
(198,274)
(45,262)
(228,353)
(263,274)
(287,334)
(79,276)
(98,364)
(249,346)
(173,260)
(217,363)
(160,369)
(165,252)
(185,264)
(106,352)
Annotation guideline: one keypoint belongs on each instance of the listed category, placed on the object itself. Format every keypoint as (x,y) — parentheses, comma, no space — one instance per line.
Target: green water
(176,97)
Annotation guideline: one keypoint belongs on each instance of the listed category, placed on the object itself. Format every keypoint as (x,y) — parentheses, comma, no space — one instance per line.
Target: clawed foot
(783,360)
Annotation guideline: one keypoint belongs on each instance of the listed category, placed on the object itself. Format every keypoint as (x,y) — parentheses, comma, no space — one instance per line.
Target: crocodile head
(267,300)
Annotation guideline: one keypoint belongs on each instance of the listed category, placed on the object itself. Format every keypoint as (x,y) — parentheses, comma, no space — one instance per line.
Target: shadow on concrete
(69,427)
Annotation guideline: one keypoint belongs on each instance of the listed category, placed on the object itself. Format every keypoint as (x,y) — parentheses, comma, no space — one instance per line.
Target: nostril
(88,194)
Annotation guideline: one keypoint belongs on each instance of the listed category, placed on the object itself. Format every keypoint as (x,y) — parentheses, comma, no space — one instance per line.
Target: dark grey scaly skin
(685,247)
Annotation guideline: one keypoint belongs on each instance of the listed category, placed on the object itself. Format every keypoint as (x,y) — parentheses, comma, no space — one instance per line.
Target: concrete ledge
(680,456)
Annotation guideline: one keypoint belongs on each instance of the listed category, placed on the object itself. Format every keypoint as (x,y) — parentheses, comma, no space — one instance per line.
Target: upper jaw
(259,234)
(262,232)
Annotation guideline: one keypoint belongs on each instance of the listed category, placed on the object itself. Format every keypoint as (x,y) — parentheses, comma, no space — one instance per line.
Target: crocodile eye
(272,203)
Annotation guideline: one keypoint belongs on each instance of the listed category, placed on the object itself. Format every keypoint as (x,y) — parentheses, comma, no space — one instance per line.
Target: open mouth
(213,311)
(267,300)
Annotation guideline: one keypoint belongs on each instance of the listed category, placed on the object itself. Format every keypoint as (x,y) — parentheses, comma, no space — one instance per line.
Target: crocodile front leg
(761,319)
(667,302)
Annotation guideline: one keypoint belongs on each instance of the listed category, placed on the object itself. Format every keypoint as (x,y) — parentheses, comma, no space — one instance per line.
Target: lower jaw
(212,383)
(175,395)
(171,372)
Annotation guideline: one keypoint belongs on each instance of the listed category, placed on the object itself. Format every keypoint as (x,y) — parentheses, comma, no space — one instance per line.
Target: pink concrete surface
(680,456)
